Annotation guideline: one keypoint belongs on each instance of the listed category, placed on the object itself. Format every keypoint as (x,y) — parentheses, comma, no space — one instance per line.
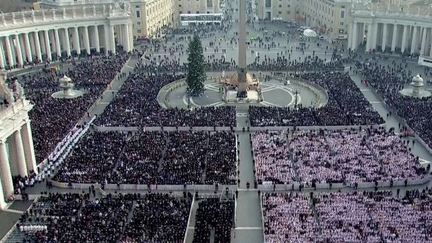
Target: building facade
(30,36)
(277,9)
(198,6)
(326,16)
(392,28)
(16,143)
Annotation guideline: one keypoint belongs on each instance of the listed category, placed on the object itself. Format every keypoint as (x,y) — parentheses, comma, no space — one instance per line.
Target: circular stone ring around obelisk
(276,91)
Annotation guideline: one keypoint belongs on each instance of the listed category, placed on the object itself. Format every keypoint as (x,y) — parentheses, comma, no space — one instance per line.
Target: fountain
(68,92)
(416,88)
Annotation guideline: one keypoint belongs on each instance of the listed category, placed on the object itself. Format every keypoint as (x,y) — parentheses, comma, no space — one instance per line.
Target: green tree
(196,75)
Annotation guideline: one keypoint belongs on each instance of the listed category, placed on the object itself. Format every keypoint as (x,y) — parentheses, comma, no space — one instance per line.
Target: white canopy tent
(309,33)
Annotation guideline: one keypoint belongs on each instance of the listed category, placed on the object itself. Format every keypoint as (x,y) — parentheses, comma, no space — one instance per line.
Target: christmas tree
(196,75)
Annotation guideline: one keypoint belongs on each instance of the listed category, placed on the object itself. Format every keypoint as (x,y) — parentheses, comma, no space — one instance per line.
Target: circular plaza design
(275,91)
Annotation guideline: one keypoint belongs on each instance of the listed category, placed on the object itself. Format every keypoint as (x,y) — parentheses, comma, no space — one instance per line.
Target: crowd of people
(342,156)
(288,218)
(136,105)
(52,118)
(73,217)
(151,158)
(346,106)
(93,159)
(388,81)
(212,213)
(76,217)
(158,218)
(348,217)
(375,216)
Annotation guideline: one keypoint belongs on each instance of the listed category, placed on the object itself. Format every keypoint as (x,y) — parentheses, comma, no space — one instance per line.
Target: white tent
(309,33)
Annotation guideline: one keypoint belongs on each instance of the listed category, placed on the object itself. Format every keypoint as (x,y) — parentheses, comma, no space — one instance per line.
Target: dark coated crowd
(346,106)
(52,118)
(151,158)
(136,104)
(388,81)
(212,214)
(78,218)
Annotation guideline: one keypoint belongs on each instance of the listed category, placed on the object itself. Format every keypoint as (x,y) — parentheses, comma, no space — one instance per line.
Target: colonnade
(50,44)
(16,158)
(408,38)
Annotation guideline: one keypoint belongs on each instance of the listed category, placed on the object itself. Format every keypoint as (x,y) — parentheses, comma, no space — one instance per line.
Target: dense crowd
(136,105)
(348,217)
(158,218)
(344,156)
(288,218)
(388,81)
(74,217)
(213,214)
(284,63)
(375,216)
(93,159)
(53,118)
(346,106)
(150,158)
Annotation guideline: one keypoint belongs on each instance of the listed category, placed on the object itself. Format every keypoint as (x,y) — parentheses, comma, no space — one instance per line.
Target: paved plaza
(276,92)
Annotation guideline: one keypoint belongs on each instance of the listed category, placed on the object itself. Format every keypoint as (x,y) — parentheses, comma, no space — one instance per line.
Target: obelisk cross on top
(242,47)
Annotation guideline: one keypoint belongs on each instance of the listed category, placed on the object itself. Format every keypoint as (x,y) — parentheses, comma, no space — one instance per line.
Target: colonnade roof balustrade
(49,16)
(394,10)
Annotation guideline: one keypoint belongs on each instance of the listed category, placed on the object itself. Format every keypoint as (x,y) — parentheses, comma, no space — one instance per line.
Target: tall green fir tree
(196,75)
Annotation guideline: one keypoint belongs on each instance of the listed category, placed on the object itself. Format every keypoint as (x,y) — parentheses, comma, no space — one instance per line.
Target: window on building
(179,5)
(209,3)
(138,14)
(197,12)
(341,23)
(139,31)
(136,6)
(268,3)
(280,12)
(280,5)
(138,23)
(288,12)
(288,6)
(180,12)
(342,14)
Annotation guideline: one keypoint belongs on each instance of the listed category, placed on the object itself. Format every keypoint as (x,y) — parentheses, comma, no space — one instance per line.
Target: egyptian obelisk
(242,48)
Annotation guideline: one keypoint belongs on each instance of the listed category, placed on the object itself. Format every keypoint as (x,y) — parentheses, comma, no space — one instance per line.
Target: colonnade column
(47,45)
(67,42)
(112,39)
(2,63)
(355,36)
(28,147)
(2,200)
(18,50)
(86,39)
(96,38)
(127,39)
(350,36)
(394,39)
(404,38)
(22,167)
(5,170)
(9,51)
(27,46)
(369,37)
(423,43)
(57,37)
(76,43)
(384,42)
(38,46)
(414,43)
